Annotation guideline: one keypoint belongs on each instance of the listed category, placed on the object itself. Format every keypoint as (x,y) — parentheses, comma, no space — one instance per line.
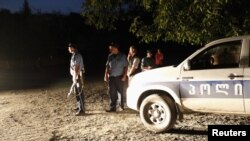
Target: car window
(225,55)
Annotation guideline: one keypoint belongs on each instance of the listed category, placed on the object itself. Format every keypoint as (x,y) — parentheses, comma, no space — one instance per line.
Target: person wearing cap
(148,62)
(77,71)
(115,75)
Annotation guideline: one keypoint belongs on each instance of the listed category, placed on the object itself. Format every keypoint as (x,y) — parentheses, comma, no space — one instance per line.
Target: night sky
(62,6)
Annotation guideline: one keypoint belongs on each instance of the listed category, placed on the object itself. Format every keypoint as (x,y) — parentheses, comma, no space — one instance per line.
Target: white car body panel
(216,90)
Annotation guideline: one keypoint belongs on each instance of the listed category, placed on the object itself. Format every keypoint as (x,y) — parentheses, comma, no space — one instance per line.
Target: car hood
(164,74)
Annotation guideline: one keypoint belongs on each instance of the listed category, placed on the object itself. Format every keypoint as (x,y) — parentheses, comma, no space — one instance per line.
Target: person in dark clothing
(148,62)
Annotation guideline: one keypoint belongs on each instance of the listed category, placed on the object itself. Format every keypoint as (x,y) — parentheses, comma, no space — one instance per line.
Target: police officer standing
(115,75)
(77,70)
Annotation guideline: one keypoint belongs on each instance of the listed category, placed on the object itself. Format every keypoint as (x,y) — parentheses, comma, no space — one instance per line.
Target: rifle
(74,85)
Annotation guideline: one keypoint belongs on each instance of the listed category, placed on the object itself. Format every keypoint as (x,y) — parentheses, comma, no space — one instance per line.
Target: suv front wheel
(158,113)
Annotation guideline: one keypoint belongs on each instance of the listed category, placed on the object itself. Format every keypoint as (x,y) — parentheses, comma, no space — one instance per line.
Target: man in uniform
(77,71)
(115,75)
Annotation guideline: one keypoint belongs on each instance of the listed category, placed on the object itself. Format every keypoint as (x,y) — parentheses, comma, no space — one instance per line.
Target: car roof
(227,40)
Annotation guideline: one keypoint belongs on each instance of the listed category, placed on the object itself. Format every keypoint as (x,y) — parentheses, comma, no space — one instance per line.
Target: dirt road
(46,114)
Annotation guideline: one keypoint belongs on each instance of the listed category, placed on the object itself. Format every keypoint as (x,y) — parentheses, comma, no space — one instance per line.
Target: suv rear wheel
(158,113)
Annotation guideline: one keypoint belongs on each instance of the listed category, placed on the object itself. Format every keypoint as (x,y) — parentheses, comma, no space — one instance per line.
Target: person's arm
(124,75)
(107,70)
(143,68)
(134,66)
(106,74)
(125,69)
(76,73)
(77,64)
(128,57)
(131,71)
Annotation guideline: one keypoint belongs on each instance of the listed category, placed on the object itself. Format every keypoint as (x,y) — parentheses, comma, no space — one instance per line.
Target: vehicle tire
(158,113)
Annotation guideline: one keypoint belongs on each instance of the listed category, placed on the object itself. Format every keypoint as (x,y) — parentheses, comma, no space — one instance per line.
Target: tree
(182,21)
(26,10)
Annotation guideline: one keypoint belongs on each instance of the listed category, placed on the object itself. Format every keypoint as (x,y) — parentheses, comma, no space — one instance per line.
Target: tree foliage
(26,10)
(182,21)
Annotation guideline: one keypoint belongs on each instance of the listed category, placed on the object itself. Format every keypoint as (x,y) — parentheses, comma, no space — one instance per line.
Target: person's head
(149,53)
(114,48)
(158,50)
(132,49)
(215,58)
(72,48)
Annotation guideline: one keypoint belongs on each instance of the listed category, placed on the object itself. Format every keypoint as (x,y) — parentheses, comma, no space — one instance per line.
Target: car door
(247,89)
(246,82)
(214,82)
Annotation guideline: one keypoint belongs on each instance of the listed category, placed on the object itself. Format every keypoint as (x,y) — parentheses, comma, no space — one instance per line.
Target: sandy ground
(45,114)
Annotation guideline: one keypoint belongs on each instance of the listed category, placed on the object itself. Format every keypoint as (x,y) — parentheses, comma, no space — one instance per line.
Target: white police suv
(214,79)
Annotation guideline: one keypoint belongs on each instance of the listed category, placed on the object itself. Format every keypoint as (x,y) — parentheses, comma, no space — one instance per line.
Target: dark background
(33,47)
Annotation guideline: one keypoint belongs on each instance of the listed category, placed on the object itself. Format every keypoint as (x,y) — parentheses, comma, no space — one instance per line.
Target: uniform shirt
(76,59)
(116,64)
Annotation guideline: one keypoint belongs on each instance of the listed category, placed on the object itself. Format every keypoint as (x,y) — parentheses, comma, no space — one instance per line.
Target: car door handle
(232,76)
(189,77)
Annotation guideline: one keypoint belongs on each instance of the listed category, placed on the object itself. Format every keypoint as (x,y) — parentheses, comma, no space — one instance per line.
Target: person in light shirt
(116,75)
(77,71)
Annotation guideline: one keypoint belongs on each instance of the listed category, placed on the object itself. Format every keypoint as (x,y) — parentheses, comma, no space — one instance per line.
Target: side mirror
(187,65)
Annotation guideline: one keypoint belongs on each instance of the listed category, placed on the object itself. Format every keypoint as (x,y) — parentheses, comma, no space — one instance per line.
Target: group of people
(119,67)
(148,62)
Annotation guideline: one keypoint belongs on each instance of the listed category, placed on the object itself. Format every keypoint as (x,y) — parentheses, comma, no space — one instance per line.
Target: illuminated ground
(46,114)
